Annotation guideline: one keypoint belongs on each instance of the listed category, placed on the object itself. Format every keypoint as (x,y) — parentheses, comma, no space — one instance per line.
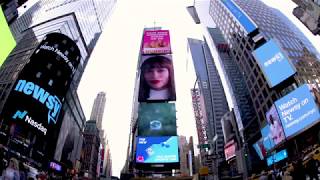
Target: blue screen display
(277,157)
(162,149)
(297,110)
(274,64)
(242,18)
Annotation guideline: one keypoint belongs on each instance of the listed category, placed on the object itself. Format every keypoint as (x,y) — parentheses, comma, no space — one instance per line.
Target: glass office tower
(83,22)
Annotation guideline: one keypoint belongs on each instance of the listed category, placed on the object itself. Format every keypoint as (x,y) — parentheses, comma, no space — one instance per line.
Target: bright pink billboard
(156,42)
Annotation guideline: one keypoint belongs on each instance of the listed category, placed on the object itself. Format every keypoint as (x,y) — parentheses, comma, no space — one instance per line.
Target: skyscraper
(215,101)
(98,109)
(90,150)
(271,27)
(82,21)
(240,96)
(258,25)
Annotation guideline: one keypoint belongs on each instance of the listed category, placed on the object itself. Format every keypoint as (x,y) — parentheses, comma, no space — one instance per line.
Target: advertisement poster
(298,110)
(157,79)
(156,42)
(274,63)
(276,130)
(157,149)
(157,119)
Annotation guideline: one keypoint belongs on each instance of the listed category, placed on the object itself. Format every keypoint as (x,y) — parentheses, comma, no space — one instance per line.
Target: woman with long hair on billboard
(157,80)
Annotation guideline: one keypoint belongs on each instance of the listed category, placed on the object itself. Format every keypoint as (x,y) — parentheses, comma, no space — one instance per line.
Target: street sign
(203,146)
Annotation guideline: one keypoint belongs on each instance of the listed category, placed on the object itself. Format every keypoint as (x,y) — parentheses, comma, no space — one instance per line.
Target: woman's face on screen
(157,77)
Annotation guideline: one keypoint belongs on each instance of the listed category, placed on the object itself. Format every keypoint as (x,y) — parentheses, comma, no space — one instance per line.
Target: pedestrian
(12,171)
(286,176)
(22,171)
(298,171)
(263,175)
(1,159)
(312,169)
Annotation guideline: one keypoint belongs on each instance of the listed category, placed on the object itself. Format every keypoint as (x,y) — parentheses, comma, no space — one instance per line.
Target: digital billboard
(156,42)
(157,119)
(274,63)
(260,149)
(275,127)
(230,149)
(37,96)
(7,42)
(298,110)
(163,149)
(276,157)
(248,25)
(157,79)
(265,144)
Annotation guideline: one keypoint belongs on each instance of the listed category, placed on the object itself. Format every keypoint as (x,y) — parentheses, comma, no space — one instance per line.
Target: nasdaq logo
(29,120)
(52,102)
(19,114)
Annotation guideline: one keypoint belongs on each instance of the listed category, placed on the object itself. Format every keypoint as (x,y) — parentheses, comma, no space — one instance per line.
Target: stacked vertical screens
(31,113)
(157,141)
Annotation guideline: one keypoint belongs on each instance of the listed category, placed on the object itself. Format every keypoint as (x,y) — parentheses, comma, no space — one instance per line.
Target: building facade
(98,110)
(82,22)
(215,101)
(308,12)
(90,151)
(243,108)
(241,43)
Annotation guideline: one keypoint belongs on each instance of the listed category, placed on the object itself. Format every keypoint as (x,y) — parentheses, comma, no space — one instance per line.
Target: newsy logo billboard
(274,63)
(297,110)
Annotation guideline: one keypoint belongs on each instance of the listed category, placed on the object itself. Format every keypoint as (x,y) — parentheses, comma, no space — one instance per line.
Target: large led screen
(276,157)
(275,128)
(260,149)
(298,110)
(157,119)
(157,79)
(162,149)
(240,16)
(156,42)
(7,42)
(36,99)
(265,144)
(274,63)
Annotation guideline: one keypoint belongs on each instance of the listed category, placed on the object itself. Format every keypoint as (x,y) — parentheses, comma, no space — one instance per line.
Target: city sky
(113,64)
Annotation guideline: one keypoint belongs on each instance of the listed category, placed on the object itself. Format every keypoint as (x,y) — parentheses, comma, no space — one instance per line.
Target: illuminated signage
(276,157)
(163,149)
(7,42)
(274,64)
(298,110)
(156,42)
(35,101)
(260,149)
(248,25)
(230,149)
(157,79)
(275,128)
(157,119)
(52,102)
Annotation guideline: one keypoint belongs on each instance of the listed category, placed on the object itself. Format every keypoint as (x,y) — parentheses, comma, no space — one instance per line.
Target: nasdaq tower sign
(35,102)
